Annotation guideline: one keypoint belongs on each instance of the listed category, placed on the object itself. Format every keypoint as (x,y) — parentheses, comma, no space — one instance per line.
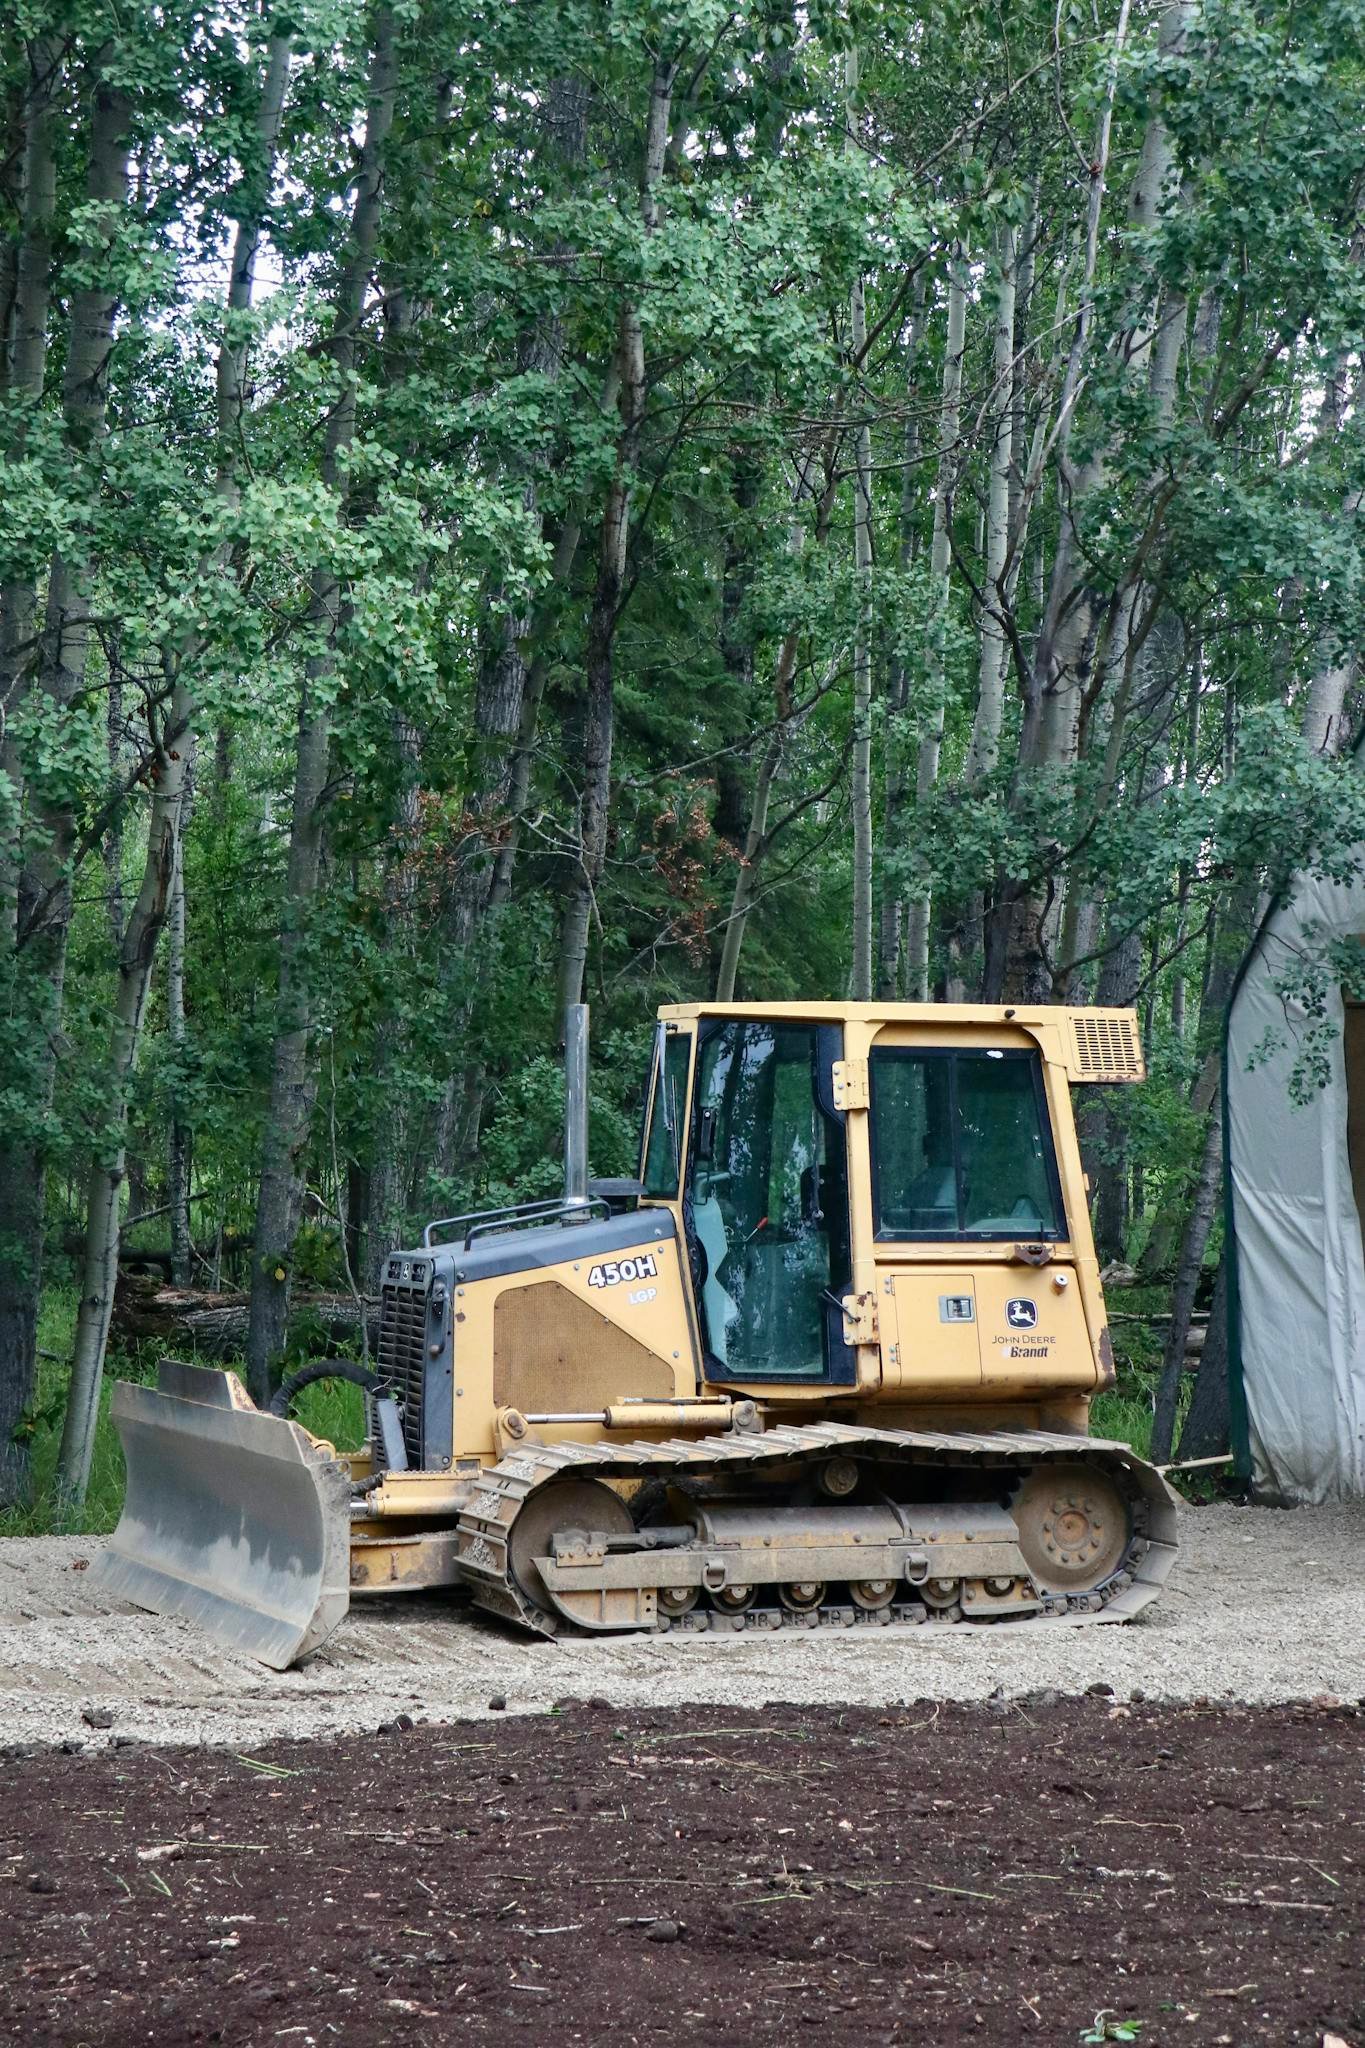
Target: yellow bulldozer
(828,1362)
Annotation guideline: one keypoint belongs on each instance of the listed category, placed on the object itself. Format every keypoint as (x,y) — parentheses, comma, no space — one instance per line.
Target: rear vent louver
(1106,1046)
(402,1358)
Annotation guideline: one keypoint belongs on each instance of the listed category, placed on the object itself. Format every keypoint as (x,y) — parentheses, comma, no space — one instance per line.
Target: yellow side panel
(1033,1333)
(930,1339)
(576,1335)
(551,1349)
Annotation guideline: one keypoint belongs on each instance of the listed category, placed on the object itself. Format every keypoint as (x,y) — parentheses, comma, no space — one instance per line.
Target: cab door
(767,1203)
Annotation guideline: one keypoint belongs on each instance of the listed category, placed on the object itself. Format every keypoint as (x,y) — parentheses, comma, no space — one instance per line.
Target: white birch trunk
(161,894)
(599,718)
(860,976)
(984,750)
(935,677)
(1325,729)
(100,1269)
(23,379)
(755,838)
(892,911)
(178,1139)
(291,1093)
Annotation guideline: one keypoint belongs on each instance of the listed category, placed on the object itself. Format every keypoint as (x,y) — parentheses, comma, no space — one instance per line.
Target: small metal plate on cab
(956,1308)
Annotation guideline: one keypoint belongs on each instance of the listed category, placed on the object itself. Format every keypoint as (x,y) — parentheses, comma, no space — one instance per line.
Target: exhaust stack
(576,1105)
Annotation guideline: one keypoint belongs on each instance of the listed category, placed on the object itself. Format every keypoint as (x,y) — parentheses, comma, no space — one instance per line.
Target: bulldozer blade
(235,1519)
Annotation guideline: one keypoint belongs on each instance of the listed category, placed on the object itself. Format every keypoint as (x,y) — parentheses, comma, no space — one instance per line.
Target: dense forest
(639,500)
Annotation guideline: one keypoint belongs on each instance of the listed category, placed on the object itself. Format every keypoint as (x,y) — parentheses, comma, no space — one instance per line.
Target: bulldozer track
(488,1519)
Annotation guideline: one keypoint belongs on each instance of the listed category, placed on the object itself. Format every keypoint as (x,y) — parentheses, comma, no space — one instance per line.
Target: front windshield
(960,1146)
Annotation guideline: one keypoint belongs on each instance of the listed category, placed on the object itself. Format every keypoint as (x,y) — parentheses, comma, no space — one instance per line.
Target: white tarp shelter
(1295,1202)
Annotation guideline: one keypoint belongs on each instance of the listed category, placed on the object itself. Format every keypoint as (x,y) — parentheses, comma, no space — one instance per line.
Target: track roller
(803,1596)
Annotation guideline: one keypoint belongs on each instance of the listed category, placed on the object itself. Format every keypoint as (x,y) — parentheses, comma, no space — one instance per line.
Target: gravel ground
(1265,1606)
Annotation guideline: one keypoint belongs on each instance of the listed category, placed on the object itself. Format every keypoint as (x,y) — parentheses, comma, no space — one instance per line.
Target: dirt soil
(994,1873)
(1264,1606)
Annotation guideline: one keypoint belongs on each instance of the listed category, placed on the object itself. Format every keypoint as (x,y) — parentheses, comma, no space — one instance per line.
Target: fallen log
(215,1325)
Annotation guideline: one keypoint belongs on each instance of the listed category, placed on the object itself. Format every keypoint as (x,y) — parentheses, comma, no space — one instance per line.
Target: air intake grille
(1106,1046)
(402,1357)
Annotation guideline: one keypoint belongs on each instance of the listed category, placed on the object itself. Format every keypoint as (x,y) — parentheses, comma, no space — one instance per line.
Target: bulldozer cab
(922,1157)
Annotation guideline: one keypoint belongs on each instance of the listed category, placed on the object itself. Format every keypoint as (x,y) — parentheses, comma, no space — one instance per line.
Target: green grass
(41,1515)
(335,1411)
(331,1410)
(1125,1412)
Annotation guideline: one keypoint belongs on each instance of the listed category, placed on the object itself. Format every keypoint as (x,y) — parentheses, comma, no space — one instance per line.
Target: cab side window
(961,1146)
(666,1138)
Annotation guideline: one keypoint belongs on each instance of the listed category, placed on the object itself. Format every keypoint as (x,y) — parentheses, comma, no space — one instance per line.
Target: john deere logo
(1021,1313)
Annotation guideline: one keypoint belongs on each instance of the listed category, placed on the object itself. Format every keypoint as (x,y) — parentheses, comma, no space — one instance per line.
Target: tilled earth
(995,1872)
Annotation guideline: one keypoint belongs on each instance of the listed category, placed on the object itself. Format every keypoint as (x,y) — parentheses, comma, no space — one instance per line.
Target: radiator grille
(1107,1046)
(402,1358)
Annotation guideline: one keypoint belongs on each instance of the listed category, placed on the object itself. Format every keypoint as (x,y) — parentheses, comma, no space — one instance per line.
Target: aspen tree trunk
(178,1153)
(66,627)
(984,750)
(1224,952)
(537,674)
(755,838)
(1208,1420)
(378,1184)
(162,881)
(1026,250)
(461,1109)
(598,721)
(12,126)
(23,367)
(44,894)
(1325,729)
(1021,459)
(113,838)
(23,370)
(758,835)
(502,681)
(860,977)
(100,1269)
(292,1083)
(1100,1135)
(509,690)
(1185,876)
(230,395)
(935,672)
(381,1200)
(1067,648)
(892,908)
(777,65)
(747,825)
(1192,1249)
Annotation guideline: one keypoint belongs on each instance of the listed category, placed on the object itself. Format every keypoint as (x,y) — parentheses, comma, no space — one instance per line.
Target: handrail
(509,1216)
(559,1208)
(476,1216)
